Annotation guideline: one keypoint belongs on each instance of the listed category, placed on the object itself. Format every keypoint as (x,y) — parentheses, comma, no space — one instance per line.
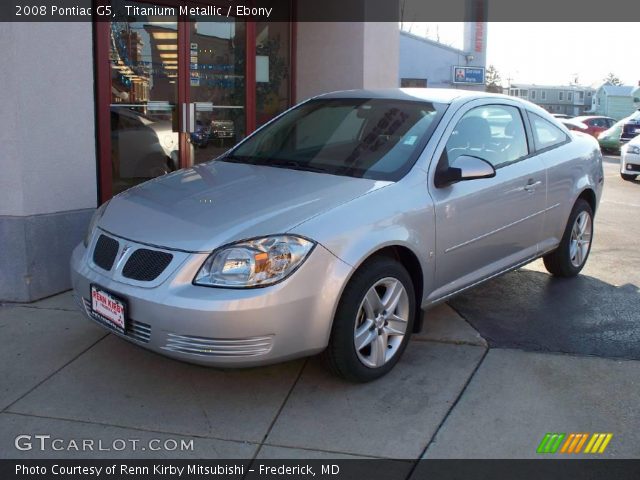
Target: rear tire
(628,177)
(376,311)
(572,253)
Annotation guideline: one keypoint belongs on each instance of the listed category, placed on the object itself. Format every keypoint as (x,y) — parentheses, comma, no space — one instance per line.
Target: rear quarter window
(546,134)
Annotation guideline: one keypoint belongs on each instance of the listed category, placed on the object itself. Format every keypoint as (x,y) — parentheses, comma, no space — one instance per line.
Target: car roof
(436,95)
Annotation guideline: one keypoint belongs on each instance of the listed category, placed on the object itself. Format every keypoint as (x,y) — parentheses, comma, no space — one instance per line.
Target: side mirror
(465,167)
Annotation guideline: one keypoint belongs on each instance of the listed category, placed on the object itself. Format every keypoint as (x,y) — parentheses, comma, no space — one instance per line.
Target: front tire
(628,177)
(373,322)
(572,253)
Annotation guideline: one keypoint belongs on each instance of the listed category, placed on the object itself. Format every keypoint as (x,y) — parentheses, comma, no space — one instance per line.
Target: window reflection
(144,63)
(272,70)
(217,81)
(144,55)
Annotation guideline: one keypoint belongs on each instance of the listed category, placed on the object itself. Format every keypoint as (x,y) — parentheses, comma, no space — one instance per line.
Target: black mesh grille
(105,252)
(145,265)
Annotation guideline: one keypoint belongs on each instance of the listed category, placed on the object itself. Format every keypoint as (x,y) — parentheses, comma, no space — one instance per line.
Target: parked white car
(630,160)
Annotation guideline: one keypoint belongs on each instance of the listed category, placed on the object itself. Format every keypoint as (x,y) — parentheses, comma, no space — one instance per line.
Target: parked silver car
(332,226)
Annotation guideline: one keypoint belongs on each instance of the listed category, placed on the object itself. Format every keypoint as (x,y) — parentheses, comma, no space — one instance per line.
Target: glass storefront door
(144,133)
(182,91)
(217,86)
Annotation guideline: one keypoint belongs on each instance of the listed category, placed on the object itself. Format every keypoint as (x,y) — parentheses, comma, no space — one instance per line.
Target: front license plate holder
(108,309)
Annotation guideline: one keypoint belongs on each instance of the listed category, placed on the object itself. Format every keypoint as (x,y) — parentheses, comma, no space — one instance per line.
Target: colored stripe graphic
(570,439)
(598,443)
(573,443)
(543,443)
(550,442)
(581,443)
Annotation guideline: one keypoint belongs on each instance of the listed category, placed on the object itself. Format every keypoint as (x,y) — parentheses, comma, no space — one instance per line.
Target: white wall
(345,55)
(381,55)
(47,135)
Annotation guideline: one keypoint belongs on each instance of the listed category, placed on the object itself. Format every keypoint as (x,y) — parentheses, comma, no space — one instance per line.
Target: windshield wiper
(295,165)
(238,159)
(277,163)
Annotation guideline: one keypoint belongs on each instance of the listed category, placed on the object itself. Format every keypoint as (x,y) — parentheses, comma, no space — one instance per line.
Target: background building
(616,101)
(570,100)
(427,63)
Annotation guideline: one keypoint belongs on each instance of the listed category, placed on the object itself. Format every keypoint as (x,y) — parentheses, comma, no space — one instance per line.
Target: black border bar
(361,469)
(334,10)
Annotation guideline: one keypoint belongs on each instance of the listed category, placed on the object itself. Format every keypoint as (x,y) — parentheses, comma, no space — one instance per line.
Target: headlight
(254,263)
(635,149)
(94,221)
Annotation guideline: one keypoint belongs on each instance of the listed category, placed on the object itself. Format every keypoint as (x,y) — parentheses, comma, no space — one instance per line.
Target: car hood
(200,208)
(634,141)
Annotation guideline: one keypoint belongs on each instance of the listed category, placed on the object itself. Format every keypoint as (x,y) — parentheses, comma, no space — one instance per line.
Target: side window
(546,134)
(494,133)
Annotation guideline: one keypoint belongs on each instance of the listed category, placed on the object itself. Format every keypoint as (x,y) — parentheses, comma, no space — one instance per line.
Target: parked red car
(592,125)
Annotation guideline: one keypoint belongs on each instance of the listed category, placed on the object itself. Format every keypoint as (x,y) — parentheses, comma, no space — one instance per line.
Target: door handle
(531,186)
(188,118)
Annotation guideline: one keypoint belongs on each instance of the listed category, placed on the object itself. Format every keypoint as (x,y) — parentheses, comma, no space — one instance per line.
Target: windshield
(371,138)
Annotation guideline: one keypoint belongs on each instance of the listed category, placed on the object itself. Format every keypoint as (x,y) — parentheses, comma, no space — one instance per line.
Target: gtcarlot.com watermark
(44,443)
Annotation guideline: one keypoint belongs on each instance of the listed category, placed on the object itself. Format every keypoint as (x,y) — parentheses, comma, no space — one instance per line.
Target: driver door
(485,226)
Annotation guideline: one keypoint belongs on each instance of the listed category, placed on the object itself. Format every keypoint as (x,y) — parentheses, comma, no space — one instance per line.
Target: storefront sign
(468,75)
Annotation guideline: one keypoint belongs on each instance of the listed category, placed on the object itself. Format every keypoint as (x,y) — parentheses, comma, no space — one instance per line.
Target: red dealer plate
(108,308)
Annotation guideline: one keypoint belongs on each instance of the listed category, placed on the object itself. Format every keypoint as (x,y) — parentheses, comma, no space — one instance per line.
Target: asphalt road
(596,313)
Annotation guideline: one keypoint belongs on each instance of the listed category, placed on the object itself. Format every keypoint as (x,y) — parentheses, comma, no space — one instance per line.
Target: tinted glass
(144,68)
(494,133)
(217,59)
(370,138)
(273,51)
(545,133)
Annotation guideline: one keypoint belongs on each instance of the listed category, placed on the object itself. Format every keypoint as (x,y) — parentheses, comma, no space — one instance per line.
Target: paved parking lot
(596,313)
(559,356)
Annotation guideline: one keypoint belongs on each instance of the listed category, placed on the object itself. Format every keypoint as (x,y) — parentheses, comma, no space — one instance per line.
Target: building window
(560,96)
(142,132)
(413,83)
(273,47)
(581,96)
(524,93)
(570,96)
(532,95)
(543,95)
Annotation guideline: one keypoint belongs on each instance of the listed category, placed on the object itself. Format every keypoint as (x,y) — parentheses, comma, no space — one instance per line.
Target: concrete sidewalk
(448,397)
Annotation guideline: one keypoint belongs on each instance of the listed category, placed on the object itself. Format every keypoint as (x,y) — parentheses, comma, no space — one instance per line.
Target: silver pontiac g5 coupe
(331,227)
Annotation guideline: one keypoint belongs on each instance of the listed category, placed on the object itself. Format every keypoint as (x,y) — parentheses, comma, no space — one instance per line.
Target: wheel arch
(410,261)
(590,197)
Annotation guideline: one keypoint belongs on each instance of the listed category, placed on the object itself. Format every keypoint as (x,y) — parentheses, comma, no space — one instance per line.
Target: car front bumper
(221,326)
(630,163)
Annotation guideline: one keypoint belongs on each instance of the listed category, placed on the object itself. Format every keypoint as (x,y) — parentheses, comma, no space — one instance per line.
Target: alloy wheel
(381,322)
(580,239)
